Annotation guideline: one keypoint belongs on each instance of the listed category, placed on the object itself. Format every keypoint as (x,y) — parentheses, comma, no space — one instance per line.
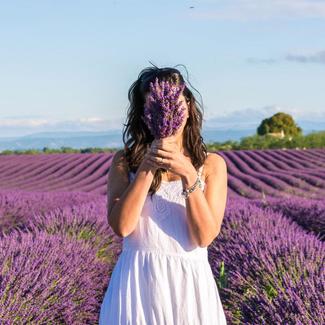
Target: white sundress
(160,277)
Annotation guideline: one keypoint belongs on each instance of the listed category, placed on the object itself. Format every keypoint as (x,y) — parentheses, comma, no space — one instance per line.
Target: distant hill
(109,139)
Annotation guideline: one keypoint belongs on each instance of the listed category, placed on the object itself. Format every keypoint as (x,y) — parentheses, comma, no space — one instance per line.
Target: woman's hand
(164,153)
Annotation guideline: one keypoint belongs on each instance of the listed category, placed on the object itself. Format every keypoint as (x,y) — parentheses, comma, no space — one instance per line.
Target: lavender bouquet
(163,114)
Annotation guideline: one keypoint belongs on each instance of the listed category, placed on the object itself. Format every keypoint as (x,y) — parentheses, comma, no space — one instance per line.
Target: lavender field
(57,251)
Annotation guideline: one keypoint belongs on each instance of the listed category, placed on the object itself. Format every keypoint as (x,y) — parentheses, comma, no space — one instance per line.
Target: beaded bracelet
(186,192)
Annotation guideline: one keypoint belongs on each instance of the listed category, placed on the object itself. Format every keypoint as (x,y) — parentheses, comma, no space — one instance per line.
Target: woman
(162,275)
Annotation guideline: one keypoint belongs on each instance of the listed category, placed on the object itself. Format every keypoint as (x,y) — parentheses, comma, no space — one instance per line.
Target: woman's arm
(125,201)
(205,211)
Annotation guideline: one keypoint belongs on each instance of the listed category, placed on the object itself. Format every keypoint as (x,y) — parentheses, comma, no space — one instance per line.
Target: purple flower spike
(163,114)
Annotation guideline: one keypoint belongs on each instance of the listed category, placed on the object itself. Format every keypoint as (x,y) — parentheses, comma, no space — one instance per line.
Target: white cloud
(91,120)
(246,10)
(250,117)
(245,118)
(318,57)
(15,126)
(310,57)
(35,122)
(22,122)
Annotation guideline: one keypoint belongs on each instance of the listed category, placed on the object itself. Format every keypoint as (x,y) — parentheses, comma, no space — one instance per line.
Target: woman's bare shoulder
(120,161)
(120,155)
(214,163)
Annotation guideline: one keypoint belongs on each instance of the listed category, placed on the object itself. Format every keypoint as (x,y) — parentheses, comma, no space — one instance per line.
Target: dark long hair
(136,135)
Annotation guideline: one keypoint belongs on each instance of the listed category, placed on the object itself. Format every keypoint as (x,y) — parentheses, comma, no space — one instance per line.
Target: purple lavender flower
(163,113)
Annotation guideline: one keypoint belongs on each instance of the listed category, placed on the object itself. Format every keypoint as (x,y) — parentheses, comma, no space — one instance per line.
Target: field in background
(57,250)
(251,173)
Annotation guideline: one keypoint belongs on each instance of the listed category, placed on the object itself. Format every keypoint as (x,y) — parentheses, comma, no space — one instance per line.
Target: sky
(68,65)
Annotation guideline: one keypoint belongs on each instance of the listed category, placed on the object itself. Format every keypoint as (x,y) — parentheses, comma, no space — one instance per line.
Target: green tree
(277,123)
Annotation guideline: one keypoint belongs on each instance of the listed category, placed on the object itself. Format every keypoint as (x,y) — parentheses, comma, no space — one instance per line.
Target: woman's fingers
(159,156)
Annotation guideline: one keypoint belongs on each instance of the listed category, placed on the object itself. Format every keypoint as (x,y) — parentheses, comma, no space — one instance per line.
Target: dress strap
(201,168)
(200,171)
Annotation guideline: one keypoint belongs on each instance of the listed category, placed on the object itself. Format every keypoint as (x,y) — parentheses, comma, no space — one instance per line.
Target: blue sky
(67,65)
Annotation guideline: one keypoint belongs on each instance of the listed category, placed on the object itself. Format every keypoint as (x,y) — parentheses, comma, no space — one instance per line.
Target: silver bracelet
(186,192)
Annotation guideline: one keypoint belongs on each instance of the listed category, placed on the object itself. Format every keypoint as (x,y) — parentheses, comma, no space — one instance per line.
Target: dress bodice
(163,224)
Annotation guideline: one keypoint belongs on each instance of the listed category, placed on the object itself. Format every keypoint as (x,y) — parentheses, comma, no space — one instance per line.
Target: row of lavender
(254,174)
(56,259)
(270,270)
